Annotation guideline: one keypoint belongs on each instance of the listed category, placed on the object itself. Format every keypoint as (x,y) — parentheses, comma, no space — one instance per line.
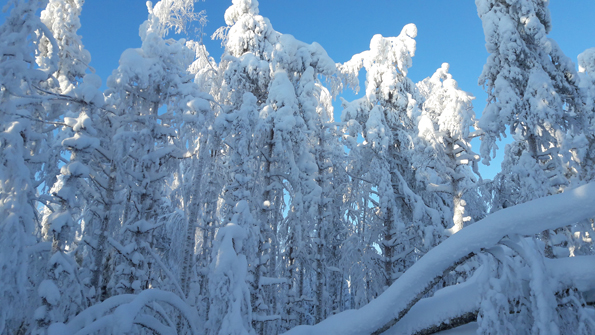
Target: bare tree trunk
(192,209)
(387,247)
(544,235)
(99,250)
(210,218)
(320,278)
(266,206)
(457,194)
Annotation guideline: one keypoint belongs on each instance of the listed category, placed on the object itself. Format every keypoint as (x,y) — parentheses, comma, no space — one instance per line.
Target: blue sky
(448,31)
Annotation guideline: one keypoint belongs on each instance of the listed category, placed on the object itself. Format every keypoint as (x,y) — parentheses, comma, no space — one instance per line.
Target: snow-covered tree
(231,310)
(387,116)
(223,198)
(62,19)
(445,122)
(243,163)
(586,65)
(20,158)
(149,78)
(281,74)
(532,92)
(63,213)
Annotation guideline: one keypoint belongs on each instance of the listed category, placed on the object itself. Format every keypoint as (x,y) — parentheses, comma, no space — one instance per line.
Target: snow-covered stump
(230,311)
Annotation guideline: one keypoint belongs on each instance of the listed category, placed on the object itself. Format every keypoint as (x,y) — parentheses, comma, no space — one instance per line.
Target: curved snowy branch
(121,312)
(527,219)
(461,302)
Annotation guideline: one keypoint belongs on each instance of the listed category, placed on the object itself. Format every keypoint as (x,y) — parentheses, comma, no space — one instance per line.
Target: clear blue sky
(448,31)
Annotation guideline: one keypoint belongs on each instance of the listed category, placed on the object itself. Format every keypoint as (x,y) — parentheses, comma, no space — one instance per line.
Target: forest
(203,196)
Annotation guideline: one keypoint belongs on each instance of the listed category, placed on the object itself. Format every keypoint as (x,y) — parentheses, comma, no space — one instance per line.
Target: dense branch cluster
(202,197)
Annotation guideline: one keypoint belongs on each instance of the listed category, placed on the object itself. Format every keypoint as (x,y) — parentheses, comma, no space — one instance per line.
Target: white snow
(132,190)
(49,291)
(525,219)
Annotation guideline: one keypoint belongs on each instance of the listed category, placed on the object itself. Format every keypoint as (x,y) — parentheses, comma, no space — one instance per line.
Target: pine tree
(148,79)
(63,213)
(21,103)
(388,116)
(230,311)
(533,91)
(223,198)
(447,114)
(281,73)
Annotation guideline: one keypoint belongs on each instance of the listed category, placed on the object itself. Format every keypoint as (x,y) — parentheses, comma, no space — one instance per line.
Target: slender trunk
(458,208)
(321,226)
(387,248)
(193,205)
(293,295)
(319,275)
(268,230)
(341,295)
(457,194)
(206,250)
(99,250)
(300,293)
(210,218)
(545,235)
(265,215)
(274,255)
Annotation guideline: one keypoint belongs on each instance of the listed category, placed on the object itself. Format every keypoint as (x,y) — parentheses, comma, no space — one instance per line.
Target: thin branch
(167,272)
(354,177)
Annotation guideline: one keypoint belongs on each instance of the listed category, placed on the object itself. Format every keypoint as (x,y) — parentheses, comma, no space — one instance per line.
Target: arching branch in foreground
(526,219)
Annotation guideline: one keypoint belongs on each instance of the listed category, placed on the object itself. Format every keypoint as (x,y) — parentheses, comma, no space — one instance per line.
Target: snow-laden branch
(167,272)
(456,302)
(119,313)
(526,219)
